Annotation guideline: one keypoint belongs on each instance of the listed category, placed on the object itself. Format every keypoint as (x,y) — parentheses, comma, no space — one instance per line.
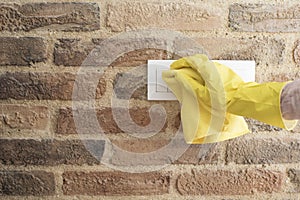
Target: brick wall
(50,150)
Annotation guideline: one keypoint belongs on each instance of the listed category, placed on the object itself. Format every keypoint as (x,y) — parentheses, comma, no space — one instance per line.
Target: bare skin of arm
(290,101)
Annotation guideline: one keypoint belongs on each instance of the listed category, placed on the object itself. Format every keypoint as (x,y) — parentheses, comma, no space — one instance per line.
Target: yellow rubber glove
(214,98)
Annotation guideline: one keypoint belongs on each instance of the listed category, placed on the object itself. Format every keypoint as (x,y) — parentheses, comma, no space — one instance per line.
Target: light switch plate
(158,89)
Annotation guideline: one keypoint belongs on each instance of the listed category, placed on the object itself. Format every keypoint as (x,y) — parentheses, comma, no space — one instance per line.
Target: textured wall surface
(45,148)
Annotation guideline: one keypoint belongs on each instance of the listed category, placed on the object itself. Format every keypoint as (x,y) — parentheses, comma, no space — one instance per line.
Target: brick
(50,16)
(278,76)
(264,17)
(22,183)
(50,152)
(180,16)
(22,51)
(106,119)
(294,176)
(139,145)
(115,183)
(147,152)
(160,151)
(263,151)
(201,154)
(66,122)
(265,51)
(177,120)
(23,117)
(133,83)
(296,53)
(256,126)
(139,57)
(72,52)
(132,49)
(48,86)
(222,182)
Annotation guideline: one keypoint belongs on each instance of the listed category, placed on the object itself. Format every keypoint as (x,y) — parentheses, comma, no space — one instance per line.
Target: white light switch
(158,89)
(161,85)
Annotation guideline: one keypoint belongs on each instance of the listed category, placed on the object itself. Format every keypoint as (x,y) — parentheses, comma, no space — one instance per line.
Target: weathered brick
(264,17)
(256,126)
(22,183)
(23,117)
(263,151)
(139,57)
(49,152)
(201,154)
(71,52)
(296,52)
(84,119)
(222,182)
(160,151)
(177,121)
(22,51)
(294,176)
(179,16)
(279,76)
(48,86)
(133,83)
(264,51)
(139,145)
(106,119)
(115,183)
(50,16)
(146,152)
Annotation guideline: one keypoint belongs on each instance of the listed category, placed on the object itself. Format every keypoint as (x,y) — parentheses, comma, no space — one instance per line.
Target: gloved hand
(197,84)
(213,97)
(290,101)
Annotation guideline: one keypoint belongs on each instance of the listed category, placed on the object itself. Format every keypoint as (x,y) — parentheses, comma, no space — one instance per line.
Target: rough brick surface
(139,57)
(161,151)
(107,120)
(115,183)
(133,83)
(23,117)
(262,151)
(201,154)
(221,182)
(258,127)
(72,52)
(49,152)
(278,76)
(297,52)
(22,51)
(48,86)
(264,17)
(294,176)
(263,50)
(140,145)
(55,16)
(35,183)
(180,16)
